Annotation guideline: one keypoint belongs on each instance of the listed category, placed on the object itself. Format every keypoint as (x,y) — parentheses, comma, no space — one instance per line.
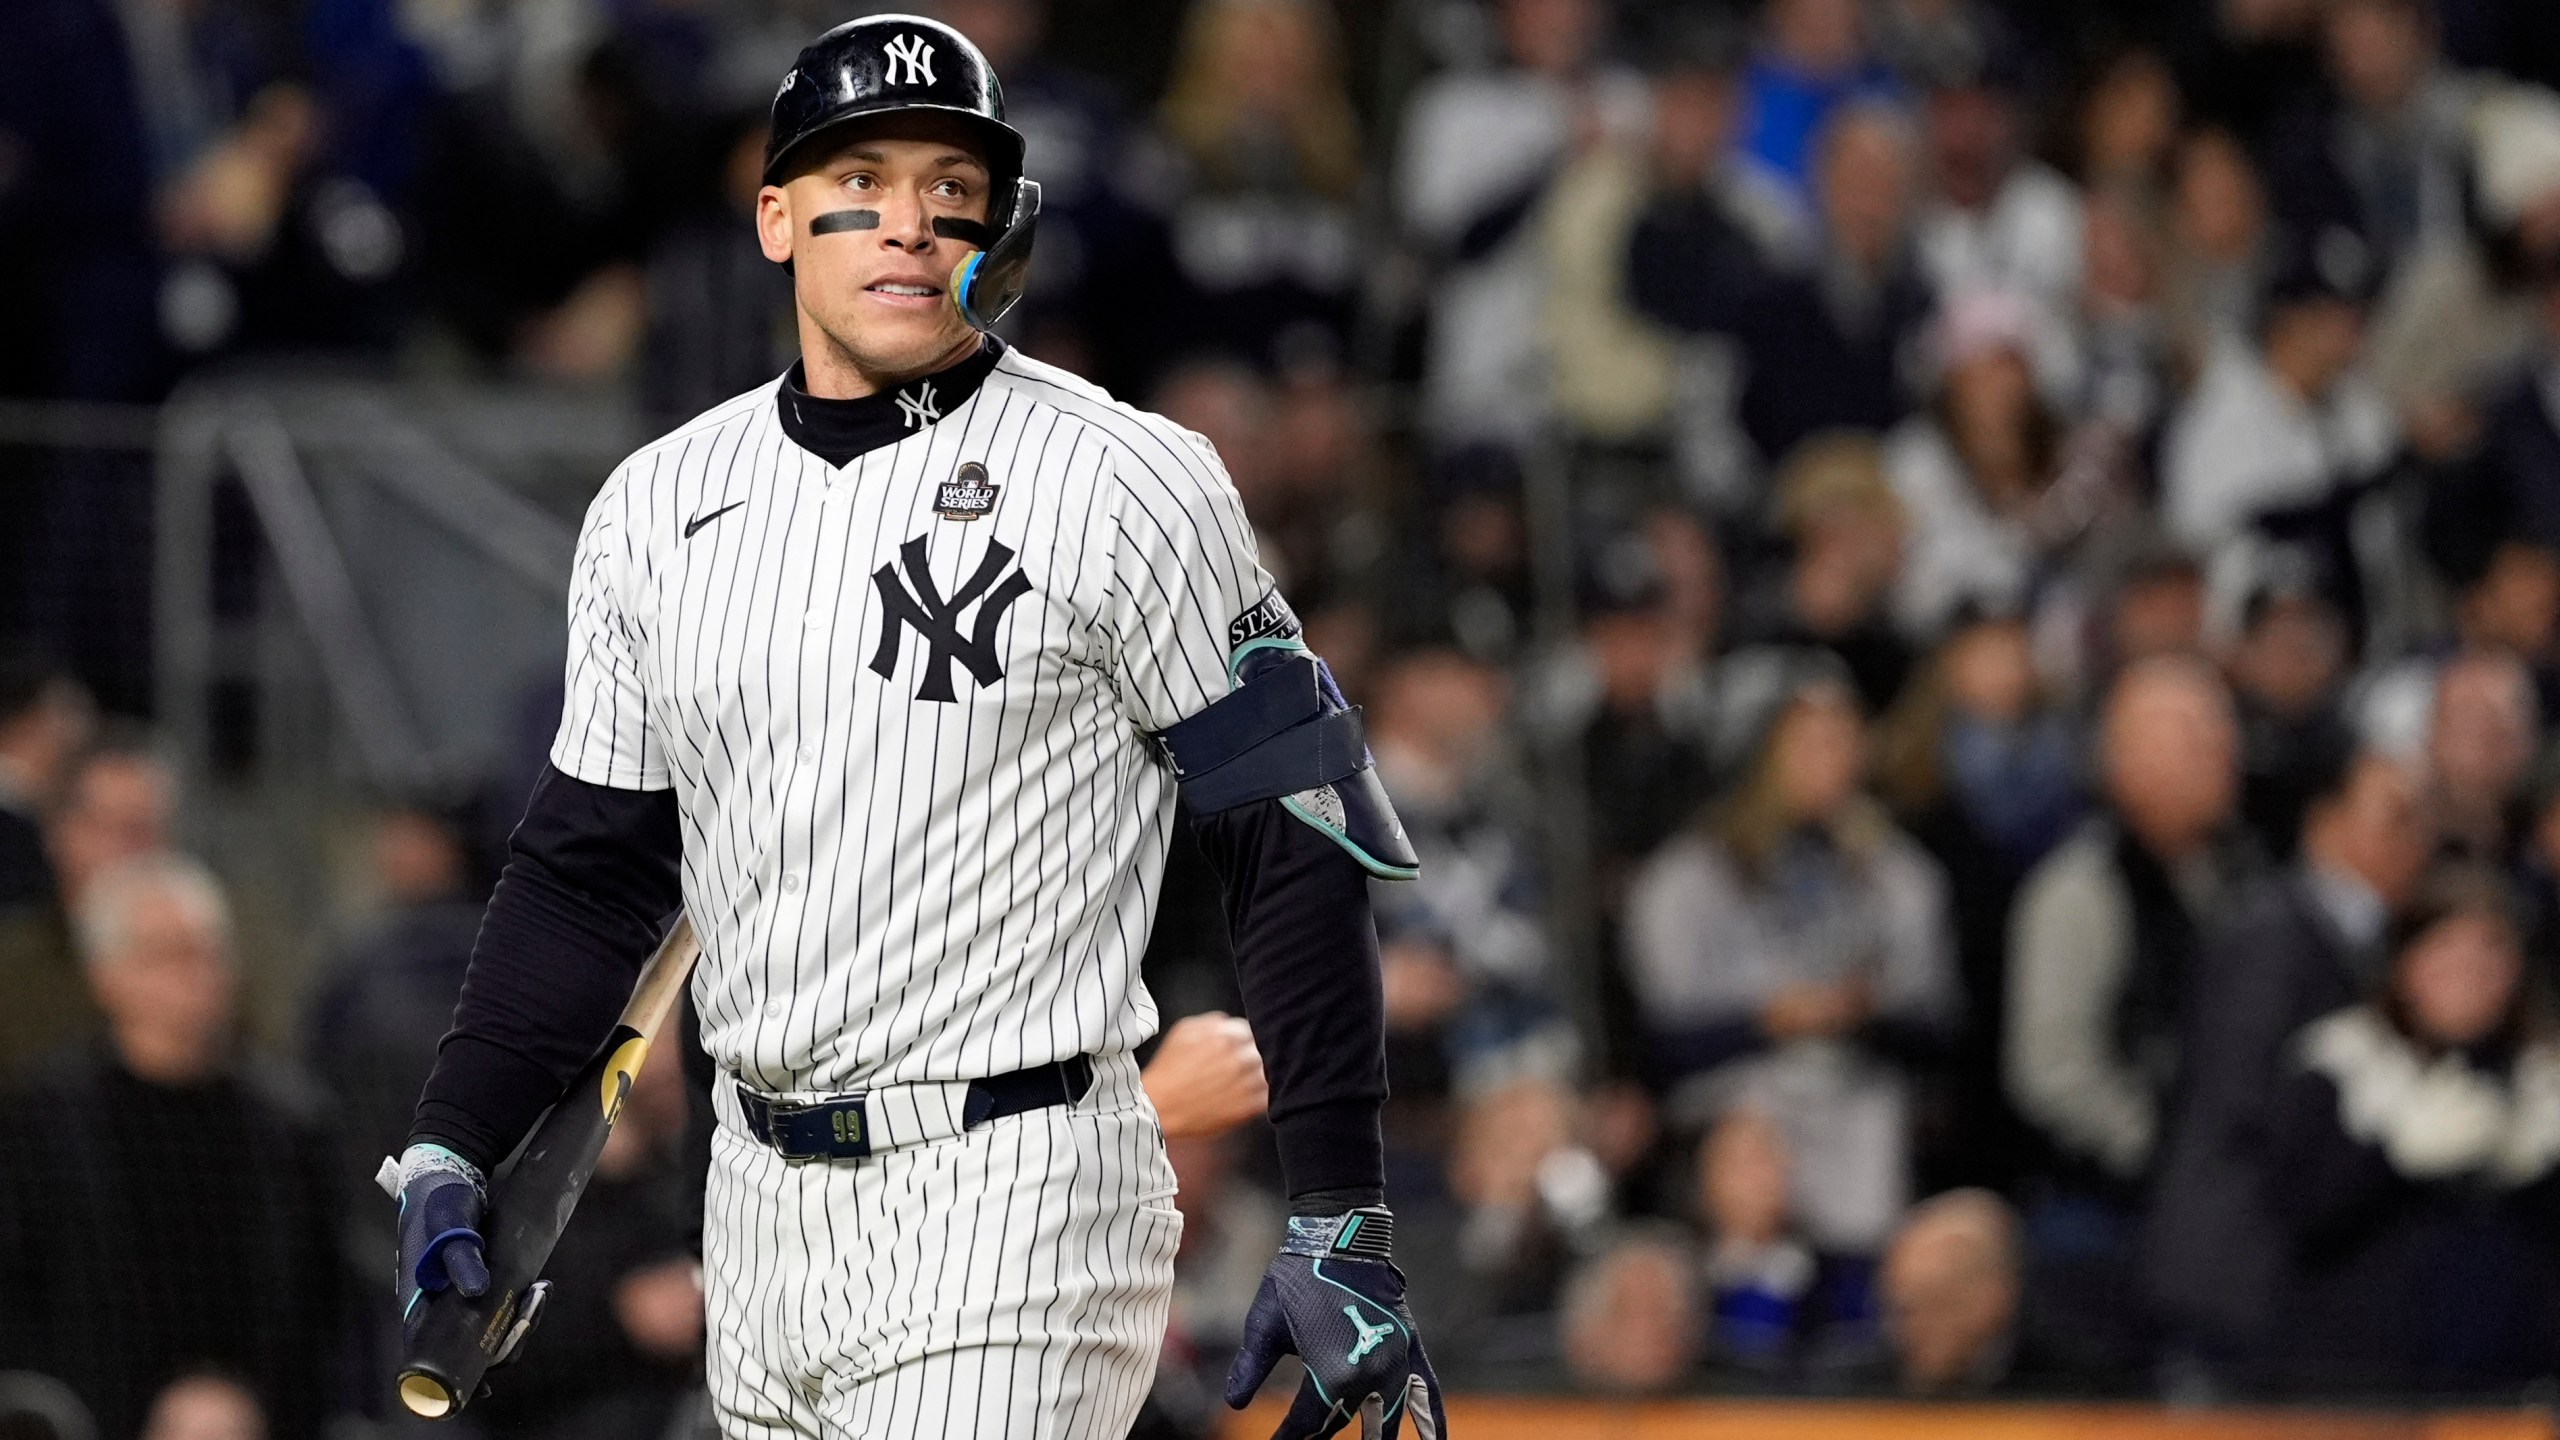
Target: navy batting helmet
(901,64)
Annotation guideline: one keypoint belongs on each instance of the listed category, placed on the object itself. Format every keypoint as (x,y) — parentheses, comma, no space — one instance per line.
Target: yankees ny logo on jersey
(936,619)
(910,61)
(918,409)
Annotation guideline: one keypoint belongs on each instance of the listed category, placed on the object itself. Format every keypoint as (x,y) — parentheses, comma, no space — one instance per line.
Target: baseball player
(890,673)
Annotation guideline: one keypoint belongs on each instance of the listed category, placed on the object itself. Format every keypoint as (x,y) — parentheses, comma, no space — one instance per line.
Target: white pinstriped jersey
(904,708)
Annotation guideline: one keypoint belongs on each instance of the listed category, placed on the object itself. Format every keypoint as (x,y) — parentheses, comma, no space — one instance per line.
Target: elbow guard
(1284,732)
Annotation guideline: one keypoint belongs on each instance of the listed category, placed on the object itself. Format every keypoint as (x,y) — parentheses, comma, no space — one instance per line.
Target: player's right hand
(1206,1078)
(441,1197)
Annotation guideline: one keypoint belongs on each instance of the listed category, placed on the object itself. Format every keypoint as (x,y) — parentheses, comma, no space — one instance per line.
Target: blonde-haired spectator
(1259,114)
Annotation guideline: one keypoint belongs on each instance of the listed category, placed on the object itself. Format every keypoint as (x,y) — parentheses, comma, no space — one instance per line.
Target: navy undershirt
(838,431)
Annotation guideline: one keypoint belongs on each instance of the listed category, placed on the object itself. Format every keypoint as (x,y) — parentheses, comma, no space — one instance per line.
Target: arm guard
(1284,732)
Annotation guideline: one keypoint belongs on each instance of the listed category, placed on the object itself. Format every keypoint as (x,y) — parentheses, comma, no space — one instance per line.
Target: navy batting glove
(1334,1299)
(441,1196)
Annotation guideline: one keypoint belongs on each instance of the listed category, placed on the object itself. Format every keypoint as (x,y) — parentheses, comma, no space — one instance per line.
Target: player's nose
(904,223)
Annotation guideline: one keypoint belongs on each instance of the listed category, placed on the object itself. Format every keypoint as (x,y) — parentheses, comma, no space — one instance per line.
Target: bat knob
(425,1396)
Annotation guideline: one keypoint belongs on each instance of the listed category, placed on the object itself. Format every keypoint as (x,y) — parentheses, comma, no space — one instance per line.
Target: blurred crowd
(1962,598)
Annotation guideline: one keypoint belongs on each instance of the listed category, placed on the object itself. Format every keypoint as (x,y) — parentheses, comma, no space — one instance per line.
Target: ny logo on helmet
(910,60)
(937,619)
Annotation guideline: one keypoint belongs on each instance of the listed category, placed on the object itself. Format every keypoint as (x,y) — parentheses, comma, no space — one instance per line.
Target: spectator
(1462,952)
(1952,1284)
(1270,147)
(1630,1323)
(1643,692)
(2286,423)
(1931,41)
(205,1406)
(2494,526)
(1975,471)
(2513,607)
(2286,668)
(2217,255)
(1833,592)
(2157,606)
(117,805)
(2385,160)
(2480,741)
(1997,218)
(1532,1191)
(2106,928)
(2307,944)
(2125,341)
(1813,61)
(2455,325)
(2102,952)
(2417,1137)
(2128,125)
(1615,374)
(1793,952)
(166,1204)
(1825,347)
(1984,769)
(1480,155)
(1759,1273)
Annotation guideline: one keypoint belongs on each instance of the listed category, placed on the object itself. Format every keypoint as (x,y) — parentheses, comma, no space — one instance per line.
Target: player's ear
(774,230)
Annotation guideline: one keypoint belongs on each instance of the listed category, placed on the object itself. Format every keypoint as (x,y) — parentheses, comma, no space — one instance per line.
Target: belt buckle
(845,1120)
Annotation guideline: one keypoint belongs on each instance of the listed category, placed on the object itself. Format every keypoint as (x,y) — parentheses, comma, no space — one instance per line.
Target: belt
(846,1127)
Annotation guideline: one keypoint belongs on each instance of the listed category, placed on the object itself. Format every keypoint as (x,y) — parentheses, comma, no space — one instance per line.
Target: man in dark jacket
(165,1208)
(1823,349)
(2307,944)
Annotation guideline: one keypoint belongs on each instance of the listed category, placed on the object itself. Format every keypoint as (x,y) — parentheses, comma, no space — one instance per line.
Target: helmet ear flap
(988,283)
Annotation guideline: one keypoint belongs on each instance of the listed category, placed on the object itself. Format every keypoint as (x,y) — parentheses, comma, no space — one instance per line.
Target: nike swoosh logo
(698,521)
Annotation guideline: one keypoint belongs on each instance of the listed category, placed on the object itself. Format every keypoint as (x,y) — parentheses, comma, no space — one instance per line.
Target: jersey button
(773,1007)
(814,619)
(791,881)
(808,757)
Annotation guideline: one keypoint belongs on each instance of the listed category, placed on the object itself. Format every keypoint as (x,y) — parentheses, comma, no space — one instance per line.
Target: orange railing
(1488,1418)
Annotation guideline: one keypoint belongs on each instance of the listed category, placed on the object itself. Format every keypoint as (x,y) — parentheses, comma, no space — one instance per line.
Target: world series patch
(967,495)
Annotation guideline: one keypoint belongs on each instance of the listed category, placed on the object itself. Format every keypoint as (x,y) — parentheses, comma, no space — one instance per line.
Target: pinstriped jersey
(904,706)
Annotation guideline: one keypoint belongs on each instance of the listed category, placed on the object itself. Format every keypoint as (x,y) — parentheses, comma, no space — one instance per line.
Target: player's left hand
(1334,1299)
(441,1198)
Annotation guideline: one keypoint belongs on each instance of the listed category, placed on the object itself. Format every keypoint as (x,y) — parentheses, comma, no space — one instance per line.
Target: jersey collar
(837,431)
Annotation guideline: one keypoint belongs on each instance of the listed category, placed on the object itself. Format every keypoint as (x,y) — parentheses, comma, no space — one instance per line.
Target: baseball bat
(531,1204)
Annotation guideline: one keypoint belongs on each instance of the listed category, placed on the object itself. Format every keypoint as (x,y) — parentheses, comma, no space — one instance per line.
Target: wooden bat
(461,1336)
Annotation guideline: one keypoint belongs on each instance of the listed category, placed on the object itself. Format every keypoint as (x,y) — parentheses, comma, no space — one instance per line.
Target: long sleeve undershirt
(592,879)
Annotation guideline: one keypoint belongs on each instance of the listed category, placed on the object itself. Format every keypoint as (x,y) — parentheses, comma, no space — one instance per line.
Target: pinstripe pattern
(893,890)
(1012,1282)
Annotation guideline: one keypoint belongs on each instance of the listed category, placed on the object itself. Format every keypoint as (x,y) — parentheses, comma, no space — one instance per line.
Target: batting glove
(1333,1298)
(441,1196)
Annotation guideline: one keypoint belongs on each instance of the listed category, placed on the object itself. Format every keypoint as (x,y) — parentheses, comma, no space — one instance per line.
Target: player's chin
(900,334)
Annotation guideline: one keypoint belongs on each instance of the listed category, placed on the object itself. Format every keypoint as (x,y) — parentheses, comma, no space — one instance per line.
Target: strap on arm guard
(1286,733)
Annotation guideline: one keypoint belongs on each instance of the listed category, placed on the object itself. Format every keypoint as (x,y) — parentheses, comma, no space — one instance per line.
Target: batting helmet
(906,64)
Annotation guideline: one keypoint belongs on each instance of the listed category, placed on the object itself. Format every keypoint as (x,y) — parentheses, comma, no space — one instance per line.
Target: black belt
(834,1128)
